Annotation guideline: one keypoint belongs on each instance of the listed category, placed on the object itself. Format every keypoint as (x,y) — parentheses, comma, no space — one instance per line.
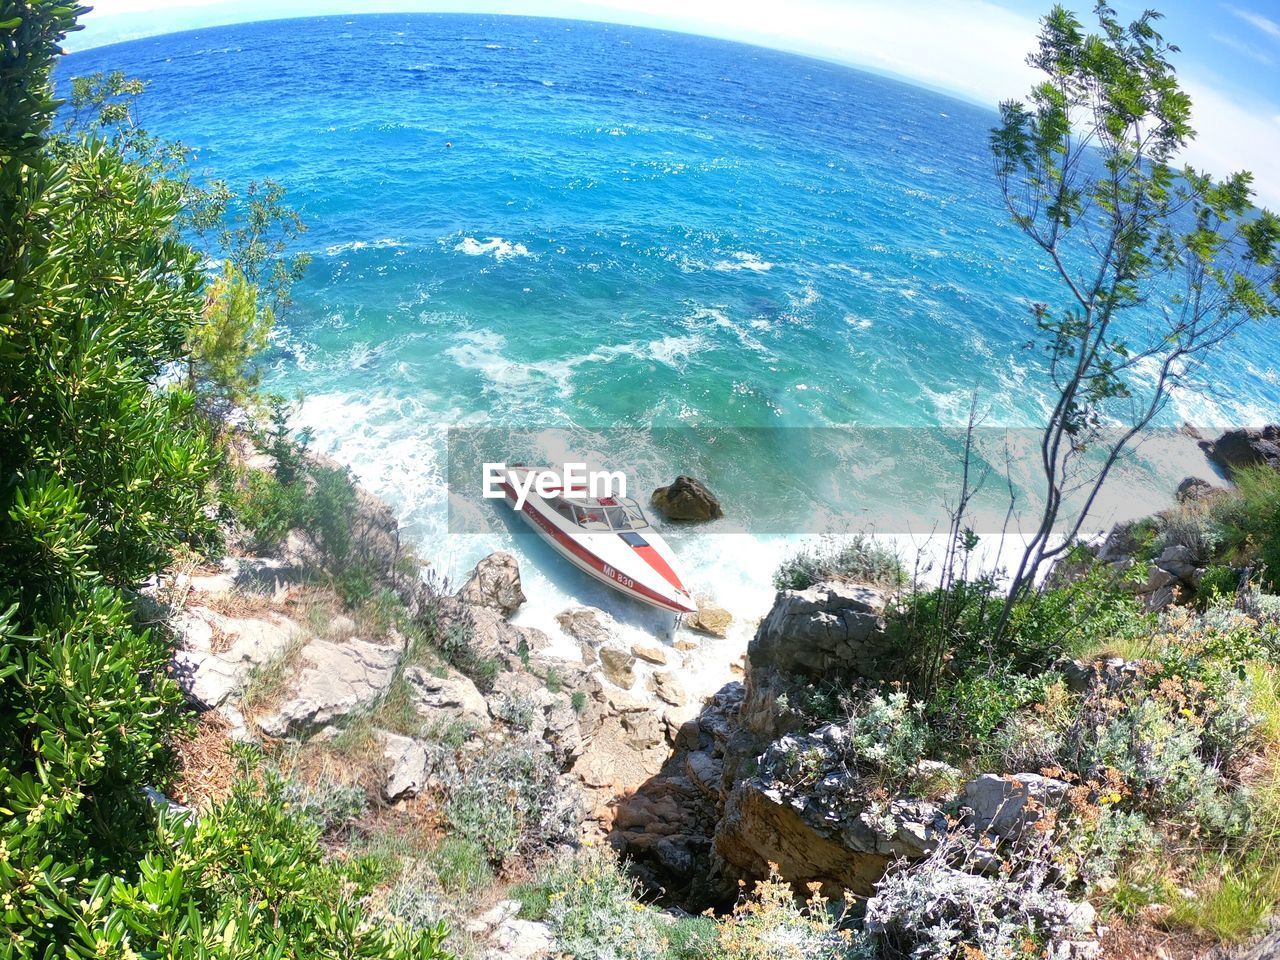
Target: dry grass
(1140,940)
(206,768)
(352,758)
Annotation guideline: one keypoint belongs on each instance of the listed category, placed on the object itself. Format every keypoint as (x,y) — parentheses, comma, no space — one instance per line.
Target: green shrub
(1217,585)
(966,711)
(509,800)
(1249,520)
(461,864)
(595,912)
(268,509)
(859,559)
(263,886)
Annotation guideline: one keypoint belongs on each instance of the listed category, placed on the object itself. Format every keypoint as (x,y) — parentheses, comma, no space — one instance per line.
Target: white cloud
(1242,48)
(1257,20)
(1232,136)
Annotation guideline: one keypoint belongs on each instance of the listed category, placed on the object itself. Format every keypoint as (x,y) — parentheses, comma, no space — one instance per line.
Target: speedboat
(608,538)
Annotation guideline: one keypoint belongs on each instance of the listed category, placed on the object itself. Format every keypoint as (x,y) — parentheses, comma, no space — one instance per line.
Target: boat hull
(647,574)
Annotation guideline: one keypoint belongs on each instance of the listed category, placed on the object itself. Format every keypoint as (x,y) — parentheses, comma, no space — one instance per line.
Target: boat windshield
(607,513)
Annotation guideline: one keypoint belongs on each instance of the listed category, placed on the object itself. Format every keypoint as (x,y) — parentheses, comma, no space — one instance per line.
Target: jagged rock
(1157,579)
(1246,447)
(336,680)
(449,697)
(830,626)
(522,700)
(667,688)
(618,666)
(710,620)
(494,582)
(807,812)
(665,827)
(488,633)
(684,644)
(626,746)
(650,653)
(407,766)
(1196,490)
(217,654)
(687,498)
(1005,806)
(1120,544)
(587,624)
(1180,561)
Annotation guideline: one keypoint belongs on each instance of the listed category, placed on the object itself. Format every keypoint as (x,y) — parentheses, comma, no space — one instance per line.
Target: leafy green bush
(249,879)
(268,509)
(859,559)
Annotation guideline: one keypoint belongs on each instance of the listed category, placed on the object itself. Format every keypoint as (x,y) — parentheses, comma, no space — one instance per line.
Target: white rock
(337,679)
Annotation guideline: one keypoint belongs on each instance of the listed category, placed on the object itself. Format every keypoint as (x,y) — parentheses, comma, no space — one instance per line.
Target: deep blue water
(524,222)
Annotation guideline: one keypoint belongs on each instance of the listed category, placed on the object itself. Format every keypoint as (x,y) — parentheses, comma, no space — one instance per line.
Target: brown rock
(667,688)
(650,654)
(687,499)
(712,620)
(618,666)
(495,582)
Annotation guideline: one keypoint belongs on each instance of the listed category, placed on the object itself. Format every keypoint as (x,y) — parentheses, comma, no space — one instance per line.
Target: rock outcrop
(217,654)
(807,812)
(710,619)
(687,498)
(494,583)
(336,680)
(1006,806)
(1245,447)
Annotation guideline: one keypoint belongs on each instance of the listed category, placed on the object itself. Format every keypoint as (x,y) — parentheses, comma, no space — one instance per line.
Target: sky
(976,49)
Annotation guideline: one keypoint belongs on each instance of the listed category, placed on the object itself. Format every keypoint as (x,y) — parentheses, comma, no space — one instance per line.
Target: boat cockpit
(619,514)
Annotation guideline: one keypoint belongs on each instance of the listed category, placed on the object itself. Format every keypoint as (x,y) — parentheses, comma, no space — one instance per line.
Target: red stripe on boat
(590,558)
(654,559)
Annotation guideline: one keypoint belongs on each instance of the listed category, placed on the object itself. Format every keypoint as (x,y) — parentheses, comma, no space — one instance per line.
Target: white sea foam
(742,260)
(337,249)
(499,248)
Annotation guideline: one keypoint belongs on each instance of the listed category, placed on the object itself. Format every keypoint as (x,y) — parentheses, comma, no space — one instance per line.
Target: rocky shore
(700,795)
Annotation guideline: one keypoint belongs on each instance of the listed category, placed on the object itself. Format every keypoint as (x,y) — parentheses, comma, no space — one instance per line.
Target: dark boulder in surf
(687,499)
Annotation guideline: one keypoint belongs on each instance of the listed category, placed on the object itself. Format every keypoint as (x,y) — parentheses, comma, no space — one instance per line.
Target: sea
(657,252)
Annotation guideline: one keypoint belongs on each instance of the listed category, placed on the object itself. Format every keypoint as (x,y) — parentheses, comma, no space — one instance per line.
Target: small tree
(233,330)
(1159,266)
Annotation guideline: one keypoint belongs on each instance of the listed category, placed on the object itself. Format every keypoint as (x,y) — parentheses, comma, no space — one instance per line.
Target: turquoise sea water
(536,223)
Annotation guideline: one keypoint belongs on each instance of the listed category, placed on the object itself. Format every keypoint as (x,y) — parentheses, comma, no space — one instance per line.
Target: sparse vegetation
(857,559)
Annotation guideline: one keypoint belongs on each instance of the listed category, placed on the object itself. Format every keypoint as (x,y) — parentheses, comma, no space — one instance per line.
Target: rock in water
(1196,490)
(495,583)
(619,666)
(687,499)
(712,620)
(587,624)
